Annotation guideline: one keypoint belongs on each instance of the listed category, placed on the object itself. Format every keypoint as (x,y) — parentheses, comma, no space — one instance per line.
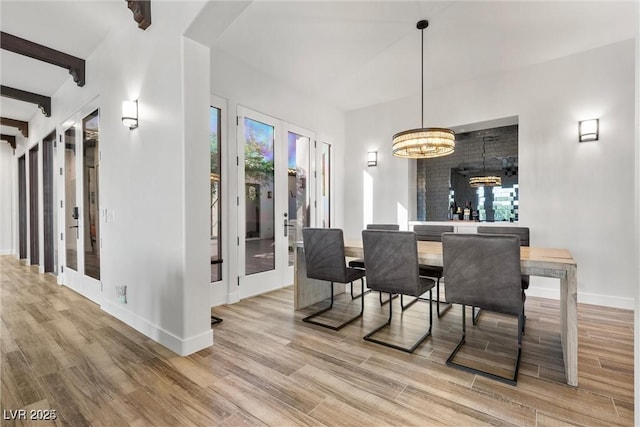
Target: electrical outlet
(122,293)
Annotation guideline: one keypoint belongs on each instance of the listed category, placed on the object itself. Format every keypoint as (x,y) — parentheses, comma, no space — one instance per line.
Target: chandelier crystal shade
(485,181)
(423,143)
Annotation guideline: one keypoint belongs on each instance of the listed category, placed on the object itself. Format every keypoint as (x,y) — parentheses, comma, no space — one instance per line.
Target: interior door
(48,203)
(262,204)
(71,210)
(81,205)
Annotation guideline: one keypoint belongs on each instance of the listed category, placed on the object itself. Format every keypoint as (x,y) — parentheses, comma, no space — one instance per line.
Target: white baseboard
(183,347)
(606,300)
(585,298)
(6,252)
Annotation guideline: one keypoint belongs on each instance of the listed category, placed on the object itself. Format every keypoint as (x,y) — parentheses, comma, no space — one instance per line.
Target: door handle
(73,226)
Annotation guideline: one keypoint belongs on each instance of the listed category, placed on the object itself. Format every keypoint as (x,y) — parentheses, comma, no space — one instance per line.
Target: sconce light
(130,114)
(372,158)
(589,130)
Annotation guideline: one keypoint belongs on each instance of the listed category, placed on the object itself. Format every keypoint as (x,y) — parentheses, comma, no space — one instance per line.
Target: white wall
(637,226)
(575,196)
(8,183)
(246,86)
(146,246)
(150,176)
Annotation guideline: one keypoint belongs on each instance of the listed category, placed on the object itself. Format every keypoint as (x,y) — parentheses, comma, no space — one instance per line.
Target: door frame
(311,180)
(257,283)
(76,279)
(283,275)
(49,197)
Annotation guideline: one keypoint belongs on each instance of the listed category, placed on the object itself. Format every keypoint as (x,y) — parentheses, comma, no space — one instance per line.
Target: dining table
(534,261)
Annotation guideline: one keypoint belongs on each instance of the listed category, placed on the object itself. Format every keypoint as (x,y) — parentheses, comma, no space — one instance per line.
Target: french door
(80,216)
(273,200)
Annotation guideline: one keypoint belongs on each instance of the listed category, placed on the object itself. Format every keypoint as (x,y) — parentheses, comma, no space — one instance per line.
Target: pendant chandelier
(484,180)
(424,142)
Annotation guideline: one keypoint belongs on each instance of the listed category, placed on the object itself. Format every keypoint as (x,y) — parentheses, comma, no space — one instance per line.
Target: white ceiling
(350,54)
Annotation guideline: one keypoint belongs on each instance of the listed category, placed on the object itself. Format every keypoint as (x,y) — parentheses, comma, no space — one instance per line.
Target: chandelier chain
(422,78)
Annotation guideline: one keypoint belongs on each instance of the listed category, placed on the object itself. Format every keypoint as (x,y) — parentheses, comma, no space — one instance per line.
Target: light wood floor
(267,367)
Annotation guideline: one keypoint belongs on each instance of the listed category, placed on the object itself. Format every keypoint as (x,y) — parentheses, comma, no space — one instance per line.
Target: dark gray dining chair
(483,270)
(325,260)
(391,258)
(433,233)
(523,234)
(359,262)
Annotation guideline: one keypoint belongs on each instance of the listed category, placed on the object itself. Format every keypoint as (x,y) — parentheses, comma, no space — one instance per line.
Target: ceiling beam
(141,12)
(43,102)
(11,139)
(42,53)
(23,127)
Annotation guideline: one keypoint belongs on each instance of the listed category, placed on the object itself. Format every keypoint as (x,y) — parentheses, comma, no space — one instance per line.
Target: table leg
(309,291)
(569,330)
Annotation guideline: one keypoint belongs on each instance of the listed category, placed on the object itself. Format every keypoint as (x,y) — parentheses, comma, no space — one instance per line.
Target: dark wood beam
(141,12)
(10,139)
(44,102)
(42,53)
(23,127)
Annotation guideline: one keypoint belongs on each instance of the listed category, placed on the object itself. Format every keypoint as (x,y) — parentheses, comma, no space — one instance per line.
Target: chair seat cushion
(354,274)
(357,263)
(424,286)
(431,271)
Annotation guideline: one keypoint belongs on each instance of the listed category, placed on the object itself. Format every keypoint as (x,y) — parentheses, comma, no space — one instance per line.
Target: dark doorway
(34,242)
(22,207)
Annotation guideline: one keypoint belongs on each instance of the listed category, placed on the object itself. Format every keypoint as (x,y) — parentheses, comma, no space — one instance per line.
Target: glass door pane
(259,196)
(325,185)
(48,204)
(91,173)
(70,207)
(298,188)
(216,207)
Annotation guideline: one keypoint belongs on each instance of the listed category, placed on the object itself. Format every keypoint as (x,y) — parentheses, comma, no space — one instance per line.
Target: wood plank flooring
(61,352)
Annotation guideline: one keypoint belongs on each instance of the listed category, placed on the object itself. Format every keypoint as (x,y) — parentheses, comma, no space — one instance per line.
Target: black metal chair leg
(404,307)
(508,380)
(368,337)
(215,320)
(447,305)
(309,319)
(524,318)
(361,293)
(475,315)
(389,299)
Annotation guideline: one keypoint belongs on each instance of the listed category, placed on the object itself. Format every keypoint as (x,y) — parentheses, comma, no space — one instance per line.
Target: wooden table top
(431,252)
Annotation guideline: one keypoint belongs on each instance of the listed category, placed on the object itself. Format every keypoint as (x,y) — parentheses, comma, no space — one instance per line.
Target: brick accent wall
(437,177)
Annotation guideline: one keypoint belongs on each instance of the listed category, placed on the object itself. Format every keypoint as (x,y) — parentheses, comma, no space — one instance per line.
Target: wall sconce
(372,158)
(130,114)
(589,130)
